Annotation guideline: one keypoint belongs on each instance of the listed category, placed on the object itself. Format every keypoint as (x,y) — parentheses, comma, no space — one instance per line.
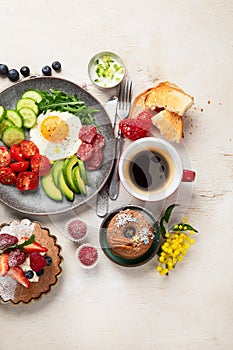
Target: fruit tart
(30,261)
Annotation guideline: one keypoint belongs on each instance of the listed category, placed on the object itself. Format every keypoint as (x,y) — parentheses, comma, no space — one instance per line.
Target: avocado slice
(64,187)
(50,189)
(78,181)
(57,167)
(83,172)
(67,173)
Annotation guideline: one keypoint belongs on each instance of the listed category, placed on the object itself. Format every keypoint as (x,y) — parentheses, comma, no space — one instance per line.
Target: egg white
(62,149)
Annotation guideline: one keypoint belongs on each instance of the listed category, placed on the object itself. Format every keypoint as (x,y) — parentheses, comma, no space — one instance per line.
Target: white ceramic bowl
(106,69)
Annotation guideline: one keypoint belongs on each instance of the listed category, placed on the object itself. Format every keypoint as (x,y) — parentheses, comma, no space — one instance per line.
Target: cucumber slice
(4,124)
(29,117)
(50,189)
(27,102)
(12,135)
(2,112)
(14,117)
(33,94)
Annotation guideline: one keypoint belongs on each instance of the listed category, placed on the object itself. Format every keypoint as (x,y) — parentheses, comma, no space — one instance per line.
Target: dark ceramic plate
(36,202)
(129,262)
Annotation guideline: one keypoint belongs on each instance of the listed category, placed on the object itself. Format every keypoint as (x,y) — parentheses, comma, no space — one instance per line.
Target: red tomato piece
(29,149)
(27,181)
(40,165)
(5,157)
(19,166)
(7,176)
(16,153)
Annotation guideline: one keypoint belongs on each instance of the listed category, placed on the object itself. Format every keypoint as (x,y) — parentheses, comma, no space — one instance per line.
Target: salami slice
(87,133)
(95,161)
(98,141)
(85,151)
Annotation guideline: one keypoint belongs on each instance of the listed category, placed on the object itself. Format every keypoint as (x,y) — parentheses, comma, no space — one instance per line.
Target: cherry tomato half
(19,166)
(7,176)
(40,165)
(27,181)
(28,148)
(16,153)
(5,157)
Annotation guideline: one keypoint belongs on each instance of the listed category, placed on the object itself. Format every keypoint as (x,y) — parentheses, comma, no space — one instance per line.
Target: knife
(102,196)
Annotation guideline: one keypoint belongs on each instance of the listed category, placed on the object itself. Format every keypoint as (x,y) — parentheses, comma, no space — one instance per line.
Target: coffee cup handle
(188,176)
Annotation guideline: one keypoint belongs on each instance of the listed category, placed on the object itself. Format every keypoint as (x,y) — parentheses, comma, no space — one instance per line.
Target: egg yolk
(54,129)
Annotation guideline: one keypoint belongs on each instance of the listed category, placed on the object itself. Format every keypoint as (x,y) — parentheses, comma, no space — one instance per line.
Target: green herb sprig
(58,100)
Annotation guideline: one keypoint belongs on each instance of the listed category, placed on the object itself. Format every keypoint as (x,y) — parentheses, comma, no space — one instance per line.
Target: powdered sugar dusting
(144,235)
(23,228)
(124,219)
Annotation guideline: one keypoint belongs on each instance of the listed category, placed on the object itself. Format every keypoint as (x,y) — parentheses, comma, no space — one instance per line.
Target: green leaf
(166,218)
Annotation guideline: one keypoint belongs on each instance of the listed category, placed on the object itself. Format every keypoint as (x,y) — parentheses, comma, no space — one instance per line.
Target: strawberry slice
(4,267)
(17,274)
(33,247)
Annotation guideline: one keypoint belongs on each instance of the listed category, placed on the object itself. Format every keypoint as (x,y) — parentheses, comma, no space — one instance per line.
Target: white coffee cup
(151,169)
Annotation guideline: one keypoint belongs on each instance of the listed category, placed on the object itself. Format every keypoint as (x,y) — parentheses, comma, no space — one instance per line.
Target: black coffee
(149,170)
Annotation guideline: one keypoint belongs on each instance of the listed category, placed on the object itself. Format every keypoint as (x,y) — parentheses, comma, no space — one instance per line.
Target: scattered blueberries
(25,71)
(3,70)
(56,66)
(40,273)
(13,74)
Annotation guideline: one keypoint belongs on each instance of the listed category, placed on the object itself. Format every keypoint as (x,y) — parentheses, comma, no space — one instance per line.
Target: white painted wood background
(188,43)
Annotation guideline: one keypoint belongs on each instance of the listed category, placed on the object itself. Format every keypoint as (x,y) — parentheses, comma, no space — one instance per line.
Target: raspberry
(16,257)
(37,261)
(7,240)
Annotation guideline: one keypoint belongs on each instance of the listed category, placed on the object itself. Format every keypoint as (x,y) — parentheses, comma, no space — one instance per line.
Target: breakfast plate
(140,260)
(36,201)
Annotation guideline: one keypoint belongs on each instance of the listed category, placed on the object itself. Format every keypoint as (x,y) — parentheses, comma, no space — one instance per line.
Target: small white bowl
(106,70)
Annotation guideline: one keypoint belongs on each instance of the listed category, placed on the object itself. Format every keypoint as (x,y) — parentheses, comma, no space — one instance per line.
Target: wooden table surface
(112,307)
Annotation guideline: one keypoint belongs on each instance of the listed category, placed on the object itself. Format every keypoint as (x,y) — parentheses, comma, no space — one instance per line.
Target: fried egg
(56,134)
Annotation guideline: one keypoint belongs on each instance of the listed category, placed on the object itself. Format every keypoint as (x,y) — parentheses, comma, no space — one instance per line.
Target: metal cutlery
(102,196)
(122,111)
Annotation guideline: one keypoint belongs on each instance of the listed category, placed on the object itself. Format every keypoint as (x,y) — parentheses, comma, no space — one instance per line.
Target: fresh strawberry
(7,240)
(4,267)
(16,257)
(33,247)
(17,274)
(37,261)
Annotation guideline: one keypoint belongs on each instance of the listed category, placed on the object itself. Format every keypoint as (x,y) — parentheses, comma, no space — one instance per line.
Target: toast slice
(169,124)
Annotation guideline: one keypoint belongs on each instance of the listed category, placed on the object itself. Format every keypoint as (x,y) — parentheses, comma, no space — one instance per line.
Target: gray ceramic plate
(36,202)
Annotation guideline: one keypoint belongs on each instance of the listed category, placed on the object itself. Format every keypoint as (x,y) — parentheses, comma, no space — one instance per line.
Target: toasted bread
(169,124)
(174,102)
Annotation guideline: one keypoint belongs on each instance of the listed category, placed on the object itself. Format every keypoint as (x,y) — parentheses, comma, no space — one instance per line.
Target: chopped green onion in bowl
(106,69)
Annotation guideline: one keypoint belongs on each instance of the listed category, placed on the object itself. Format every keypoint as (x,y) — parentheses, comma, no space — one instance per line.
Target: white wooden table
(188,43)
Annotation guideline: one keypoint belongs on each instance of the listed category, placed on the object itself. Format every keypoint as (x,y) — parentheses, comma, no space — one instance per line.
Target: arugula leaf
(58,100)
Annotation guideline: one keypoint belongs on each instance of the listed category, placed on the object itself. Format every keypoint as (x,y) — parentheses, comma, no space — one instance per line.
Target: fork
(122,111)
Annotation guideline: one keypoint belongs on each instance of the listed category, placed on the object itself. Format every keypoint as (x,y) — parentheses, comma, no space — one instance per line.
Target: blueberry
(46,70)
(56,66)
(3,70)
(29,274)
(13,75)
(40,273)
(25,71)
(48,260)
